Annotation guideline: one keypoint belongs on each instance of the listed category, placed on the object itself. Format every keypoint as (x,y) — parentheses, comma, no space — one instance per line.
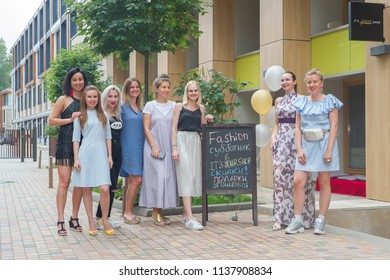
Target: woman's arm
(175,121)
(275,129)
(76,143)
(298,140)
(148,134)
(333,118)
(54,118)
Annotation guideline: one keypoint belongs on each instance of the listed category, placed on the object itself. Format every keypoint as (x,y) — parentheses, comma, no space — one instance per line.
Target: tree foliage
(146,26)
(213,87)
(5,66)
(79,56)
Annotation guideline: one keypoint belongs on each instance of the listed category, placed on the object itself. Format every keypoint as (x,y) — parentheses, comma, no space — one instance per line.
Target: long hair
(185,96)
(117,109)
(83,119)
(294,78)
(126,92)
(67,85)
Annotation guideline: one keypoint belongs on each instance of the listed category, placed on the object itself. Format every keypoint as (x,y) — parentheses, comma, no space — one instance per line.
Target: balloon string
(258,157)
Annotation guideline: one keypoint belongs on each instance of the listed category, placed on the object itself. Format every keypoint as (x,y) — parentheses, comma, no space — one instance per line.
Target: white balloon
(272,77)
(270,116)
(263,135)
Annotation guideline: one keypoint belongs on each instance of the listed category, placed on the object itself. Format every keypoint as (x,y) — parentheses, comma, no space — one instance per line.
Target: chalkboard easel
(229,163)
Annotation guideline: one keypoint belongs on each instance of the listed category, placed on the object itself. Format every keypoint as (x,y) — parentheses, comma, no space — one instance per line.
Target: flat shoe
(131,220)
(93,232)
(110,232)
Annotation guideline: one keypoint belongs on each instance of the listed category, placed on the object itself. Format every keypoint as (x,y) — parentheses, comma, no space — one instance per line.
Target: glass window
(355,154)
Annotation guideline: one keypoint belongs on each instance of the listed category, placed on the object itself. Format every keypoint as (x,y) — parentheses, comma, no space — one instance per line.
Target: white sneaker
(114,223)
(193,224)
(319,227)
(294,227)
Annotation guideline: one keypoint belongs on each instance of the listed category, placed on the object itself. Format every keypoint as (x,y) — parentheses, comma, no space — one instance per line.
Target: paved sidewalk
(28,232)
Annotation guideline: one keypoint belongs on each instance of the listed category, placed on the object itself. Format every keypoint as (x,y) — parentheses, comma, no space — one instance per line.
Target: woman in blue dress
(132,139)
(93,159)
(316,143)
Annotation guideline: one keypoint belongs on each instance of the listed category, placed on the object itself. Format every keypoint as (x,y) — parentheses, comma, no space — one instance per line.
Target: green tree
(5,66)
(213,86)
(79,56)
(146,26)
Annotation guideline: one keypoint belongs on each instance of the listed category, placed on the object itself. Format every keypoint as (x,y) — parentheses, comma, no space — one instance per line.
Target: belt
(286,120)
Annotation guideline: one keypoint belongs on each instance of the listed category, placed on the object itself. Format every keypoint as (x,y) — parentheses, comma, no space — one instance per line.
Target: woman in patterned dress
(316,130)
(284,157)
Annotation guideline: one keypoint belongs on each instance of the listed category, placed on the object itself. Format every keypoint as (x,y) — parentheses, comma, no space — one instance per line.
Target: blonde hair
(314,71)
(83,119)
(185,96)
(126,92)
(117,109)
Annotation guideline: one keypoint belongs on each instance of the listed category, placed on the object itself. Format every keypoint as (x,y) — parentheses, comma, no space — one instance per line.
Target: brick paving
(28,232)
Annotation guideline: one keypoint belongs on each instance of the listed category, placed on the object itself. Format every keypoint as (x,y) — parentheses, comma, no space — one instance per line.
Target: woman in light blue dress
(93,159)
(316,143)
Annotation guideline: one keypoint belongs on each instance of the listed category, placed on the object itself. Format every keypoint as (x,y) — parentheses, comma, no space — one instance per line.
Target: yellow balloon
(261,101)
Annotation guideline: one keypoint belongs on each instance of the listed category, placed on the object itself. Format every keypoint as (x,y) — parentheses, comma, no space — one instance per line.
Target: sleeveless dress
(64,150)
(159,188)
(93,155)
(316,115)
(116,149)
(132,139)
(189,165)
(284,156)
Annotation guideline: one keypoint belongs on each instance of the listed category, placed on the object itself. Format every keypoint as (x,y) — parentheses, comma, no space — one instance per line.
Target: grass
(211,198)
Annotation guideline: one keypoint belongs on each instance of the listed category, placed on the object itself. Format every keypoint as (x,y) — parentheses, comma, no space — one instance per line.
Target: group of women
(102,138)
(303,141)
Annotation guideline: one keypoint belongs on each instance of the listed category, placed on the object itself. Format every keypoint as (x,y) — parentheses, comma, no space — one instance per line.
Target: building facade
(242,39)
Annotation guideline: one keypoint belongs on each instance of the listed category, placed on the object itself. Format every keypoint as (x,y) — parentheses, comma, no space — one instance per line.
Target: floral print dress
(284,158)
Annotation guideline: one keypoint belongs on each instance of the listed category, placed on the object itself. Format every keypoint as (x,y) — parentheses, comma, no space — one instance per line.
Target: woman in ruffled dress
(284,157)
(316,142)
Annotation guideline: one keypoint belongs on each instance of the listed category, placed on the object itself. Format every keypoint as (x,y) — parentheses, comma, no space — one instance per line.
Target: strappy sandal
(62,231)
(74,227)
(276,226)
(131,220)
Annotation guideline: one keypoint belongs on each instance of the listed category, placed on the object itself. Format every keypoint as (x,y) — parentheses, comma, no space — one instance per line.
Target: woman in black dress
(65,110)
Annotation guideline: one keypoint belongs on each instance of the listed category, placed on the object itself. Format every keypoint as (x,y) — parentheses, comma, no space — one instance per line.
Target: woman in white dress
(93,160)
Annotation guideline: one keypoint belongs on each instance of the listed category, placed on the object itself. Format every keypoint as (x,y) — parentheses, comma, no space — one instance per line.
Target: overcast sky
(14,17)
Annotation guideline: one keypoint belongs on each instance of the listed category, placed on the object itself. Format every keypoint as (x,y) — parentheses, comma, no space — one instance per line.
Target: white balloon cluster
(262,103)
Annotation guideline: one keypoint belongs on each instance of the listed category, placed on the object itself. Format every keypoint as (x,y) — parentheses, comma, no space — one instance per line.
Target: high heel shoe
(62,231)
(158,219)
(74,227)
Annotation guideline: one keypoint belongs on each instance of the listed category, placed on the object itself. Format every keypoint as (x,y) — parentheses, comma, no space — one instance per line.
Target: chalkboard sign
(229,162)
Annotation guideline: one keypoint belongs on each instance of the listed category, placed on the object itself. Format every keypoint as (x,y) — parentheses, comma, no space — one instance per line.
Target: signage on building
(365,21)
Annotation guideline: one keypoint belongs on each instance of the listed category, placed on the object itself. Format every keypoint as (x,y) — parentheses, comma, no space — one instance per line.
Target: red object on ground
(347,187)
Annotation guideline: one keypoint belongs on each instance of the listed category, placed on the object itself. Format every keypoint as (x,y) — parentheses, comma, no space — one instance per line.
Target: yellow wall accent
(248,70)
(333,53)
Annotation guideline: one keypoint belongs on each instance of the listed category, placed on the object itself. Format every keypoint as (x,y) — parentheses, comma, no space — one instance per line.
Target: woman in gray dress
(93,160)
(159,177)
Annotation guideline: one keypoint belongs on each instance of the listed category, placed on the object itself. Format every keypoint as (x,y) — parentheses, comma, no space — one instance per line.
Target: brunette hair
(294,78)
(67,85)
(126,92)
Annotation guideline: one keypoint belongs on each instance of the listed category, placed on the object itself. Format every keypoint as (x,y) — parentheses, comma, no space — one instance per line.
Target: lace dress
(284,157)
